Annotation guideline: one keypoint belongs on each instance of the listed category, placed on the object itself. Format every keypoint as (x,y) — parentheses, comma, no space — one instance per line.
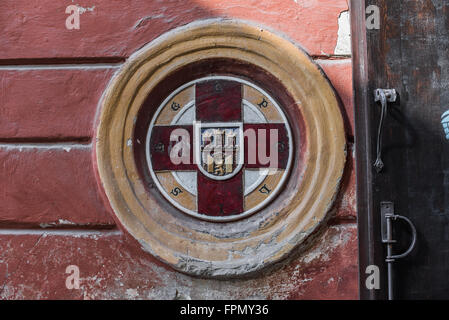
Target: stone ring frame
(213,249)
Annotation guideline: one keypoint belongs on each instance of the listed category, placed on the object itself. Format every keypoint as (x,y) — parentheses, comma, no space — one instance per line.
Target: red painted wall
(51,214)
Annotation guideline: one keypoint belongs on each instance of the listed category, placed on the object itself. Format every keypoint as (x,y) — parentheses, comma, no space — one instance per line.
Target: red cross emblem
(219,148)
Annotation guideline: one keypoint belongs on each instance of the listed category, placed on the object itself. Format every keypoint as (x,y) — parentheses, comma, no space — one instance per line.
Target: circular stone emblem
(219,148)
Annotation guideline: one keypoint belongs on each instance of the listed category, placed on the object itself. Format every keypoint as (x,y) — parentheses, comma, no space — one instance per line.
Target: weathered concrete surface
(111,267)
(37,29)
(339,73)
(54,186)
(60,104)
(346,202)
(49,186)
(49,104)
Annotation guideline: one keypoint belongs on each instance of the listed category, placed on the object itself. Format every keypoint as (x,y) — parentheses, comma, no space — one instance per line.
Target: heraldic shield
(219,149)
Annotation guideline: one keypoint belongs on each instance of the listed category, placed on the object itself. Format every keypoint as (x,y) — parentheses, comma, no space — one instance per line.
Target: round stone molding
(245,54)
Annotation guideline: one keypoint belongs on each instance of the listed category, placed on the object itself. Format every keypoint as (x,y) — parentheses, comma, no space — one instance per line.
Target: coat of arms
(219,149)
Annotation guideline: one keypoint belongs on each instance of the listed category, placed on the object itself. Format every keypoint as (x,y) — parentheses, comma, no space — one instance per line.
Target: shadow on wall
(109,29)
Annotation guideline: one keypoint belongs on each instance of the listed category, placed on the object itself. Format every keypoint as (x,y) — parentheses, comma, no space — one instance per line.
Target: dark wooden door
(409,52)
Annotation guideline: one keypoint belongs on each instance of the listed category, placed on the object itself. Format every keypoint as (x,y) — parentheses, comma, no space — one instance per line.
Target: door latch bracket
(386,228)
(383,96)
(388,216)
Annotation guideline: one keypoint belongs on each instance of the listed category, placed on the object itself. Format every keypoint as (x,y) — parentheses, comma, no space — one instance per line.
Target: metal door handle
(384,96)
(412,244)
(388,216)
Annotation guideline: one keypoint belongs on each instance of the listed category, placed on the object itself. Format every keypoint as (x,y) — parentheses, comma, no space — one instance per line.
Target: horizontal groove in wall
(342,221)
(80,62)
(46,146)
(61,232)
(85,67)
(61,61)
(61,64)
(55,225)
(45,142)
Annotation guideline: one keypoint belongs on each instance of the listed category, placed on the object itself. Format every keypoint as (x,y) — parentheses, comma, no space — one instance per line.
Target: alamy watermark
(372,281)
(220,149)
(372,17)
(74,12)
(73,280)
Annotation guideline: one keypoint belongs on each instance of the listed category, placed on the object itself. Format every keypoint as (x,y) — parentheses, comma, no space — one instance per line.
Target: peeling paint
(62,222)
(317,268)
(132,293)
(343,46)
(143,21)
